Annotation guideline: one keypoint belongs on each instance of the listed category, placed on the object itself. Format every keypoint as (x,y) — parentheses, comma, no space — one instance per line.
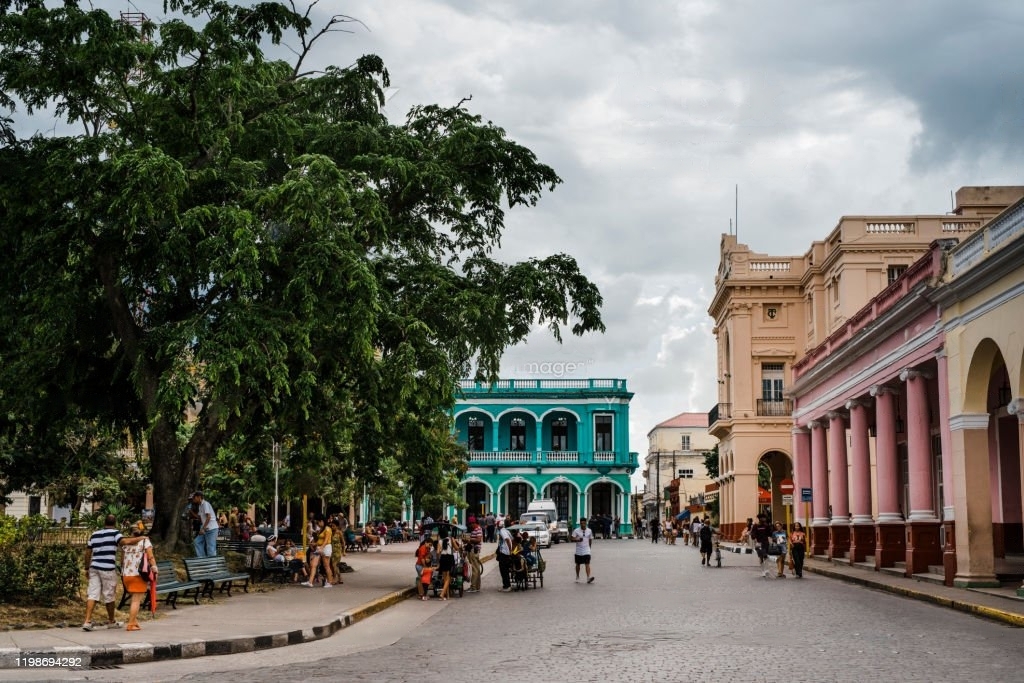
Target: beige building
(675,463)
(770,311)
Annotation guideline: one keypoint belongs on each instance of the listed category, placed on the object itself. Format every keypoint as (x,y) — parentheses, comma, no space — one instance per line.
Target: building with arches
(909,423)
(781,324)
(562,439)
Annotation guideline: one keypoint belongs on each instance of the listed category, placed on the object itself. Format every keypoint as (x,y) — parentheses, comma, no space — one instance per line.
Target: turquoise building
(563,439)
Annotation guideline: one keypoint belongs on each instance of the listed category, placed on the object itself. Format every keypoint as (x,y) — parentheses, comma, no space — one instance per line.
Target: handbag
(776,549)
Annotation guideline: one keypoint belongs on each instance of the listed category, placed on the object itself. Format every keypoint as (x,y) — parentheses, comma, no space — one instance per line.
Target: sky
(654,112)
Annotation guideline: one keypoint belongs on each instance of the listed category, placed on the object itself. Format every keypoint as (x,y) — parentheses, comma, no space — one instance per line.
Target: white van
(544,507)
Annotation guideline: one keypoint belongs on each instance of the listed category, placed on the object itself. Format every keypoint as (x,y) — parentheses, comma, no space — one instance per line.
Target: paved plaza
(652,614)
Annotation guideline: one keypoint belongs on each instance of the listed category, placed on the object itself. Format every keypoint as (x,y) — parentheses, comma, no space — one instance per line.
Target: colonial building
(675,465)
(771,311)
(908,417)
(563,439)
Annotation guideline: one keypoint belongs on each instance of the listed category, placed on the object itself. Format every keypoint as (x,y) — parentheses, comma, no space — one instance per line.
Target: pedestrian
(476,540)
(798,548)
(655,529)
(584,538)
(706,546)
(132,574)
(760,534)
(489,523)
(100,556)
(778,545)
(424,563)
(446,549)
(341,532)
(233,523)
(205,543)
(504,555)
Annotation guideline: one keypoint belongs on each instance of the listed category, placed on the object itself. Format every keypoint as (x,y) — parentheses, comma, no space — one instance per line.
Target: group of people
(138,569)
(773,542)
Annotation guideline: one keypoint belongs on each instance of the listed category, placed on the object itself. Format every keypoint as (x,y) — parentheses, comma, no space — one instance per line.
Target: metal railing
(722,411)
(774,408)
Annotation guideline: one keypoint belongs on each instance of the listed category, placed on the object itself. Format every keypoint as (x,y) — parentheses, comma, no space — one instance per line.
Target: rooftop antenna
(736,210)
(730,226)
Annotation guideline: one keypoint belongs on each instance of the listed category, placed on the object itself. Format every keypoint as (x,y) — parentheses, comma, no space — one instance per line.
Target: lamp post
(275,451)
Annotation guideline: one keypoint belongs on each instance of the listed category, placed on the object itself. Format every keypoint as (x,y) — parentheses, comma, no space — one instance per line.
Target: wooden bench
(279,571)
(213,570)
(167,584)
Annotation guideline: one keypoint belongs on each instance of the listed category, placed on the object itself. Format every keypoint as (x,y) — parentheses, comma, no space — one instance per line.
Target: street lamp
(275,452)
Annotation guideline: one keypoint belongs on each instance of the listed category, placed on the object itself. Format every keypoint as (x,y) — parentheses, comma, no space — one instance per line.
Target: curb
(993,613)
(75,657)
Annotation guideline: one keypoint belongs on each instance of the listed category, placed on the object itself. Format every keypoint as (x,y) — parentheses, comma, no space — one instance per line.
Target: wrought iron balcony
(722,411)
(774,408)
(552,458)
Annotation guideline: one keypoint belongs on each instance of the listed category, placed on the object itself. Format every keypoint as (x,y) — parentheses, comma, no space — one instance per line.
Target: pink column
(919,448)
(801,460)
(886,470)
(819,484)
(839,488)
(819,473)
(860,459)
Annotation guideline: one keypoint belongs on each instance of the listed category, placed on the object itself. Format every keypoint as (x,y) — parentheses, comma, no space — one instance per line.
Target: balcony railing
(539,458)
(722,411)
(772,408)
(609,384)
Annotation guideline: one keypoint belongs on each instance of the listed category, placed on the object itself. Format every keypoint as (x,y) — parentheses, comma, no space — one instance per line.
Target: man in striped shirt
(476,541)
(100,553)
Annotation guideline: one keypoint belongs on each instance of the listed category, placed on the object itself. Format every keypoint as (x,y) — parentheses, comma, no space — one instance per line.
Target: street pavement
(652,614)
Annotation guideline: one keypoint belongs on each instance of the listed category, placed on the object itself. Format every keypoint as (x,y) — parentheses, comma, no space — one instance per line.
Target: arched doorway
(477,499)
(563,494)
(772,468)
(517,497)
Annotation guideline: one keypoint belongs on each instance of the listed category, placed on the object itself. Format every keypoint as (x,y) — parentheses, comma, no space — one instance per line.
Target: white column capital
(879,389)
(856,403)
(815,424)
(835,415)
(909,373)
(958,423)
(1016,407)
(800,430)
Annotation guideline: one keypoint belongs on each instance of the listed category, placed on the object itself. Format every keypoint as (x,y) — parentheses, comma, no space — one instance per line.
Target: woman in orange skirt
(134,584)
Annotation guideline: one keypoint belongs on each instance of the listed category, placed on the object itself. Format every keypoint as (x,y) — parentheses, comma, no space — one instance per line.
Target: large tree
(211,247)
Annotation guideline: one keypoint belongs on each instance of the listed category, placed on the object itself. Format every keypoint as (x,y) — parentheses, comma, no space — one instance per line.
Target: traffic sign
(805,495)
(787,499)
(786,486)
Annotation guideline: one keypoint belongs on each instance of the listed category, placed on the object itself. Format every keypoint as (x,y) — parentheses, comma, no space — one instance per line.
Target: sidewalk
(244,622)
(999,604)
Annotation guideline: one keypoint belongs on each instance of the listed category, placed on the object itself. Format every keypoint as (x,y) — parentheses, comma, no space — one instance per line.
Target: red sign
(786,486)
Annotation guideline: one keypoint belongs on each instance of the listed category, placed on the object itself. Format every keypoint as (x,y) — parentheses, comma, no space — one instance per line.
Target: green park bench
(167,584)
(213,570)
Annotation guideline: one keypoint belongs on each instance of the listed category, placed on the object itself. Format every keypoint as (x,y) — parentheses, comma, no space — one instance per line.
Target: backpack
(705,533)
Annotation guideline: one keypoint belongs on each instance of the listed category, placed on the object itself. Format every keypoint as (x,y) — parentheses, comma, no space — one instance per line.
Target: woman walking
(132,574)
(779,543)
(798,548)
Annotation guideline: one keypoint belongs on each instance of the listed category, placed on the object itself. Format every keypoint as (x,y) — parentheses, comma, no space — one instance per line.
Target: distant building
(563,439)
(674,465)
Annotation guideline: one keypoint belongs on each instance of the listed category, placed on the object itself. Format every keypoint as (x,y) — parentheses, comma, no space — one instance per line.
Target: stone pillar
(1016,407)
(802,469)
(948,511)
(890,530)
(923,547)
(819,495)
(862,525)
(838,489)
(538,445)
(495,443)
(972,497)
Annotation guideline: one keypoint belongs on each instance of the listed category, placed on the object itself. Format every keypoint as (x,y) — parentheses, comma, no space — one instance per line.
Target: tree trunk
(171,484)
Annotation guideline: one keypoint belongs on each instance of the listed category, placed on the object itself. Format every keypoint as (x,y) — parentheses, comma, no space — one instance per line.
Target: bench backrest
(167,574)
(204,566)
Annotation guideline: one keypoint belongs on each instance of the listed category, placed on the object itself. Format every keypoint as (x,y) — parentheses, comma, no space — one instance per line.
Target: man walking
(584,538)
(100,553)
(489,522)
(504,555)
(761,533)
(205,543)
(476,540)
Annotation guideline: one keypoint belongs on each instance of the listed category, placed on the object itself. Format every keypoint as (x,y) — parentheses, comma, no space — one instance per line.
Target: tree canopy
(227,248)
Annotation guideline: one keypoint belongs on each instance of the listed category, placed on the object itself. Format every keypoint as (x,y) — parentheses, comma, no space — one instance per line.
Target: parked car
(537,530)
(561,531)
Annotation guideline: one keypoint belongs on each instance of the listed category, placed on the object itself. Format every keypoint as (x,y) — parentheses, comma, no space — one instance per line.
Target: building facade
(675,476)
(908,425)
(563,439)
(771,311)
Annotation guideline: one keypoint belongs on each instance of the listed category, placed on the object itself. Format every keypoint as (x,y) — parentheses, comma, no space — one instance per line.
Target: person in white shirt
(205,543)
(584,538)
(504,555)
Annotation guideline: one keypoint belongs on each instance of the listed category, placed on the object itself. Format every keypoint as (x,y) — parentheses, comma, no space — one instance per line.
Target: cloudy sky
(654,111)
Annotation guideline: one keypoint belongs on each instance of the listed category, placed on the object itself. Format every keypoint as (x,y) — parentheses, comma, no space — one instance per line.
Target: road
(652,614)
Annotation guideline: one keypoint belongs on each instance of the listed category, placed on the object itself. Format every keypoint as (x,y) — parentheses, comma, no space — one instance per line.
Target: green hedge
(40,574)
